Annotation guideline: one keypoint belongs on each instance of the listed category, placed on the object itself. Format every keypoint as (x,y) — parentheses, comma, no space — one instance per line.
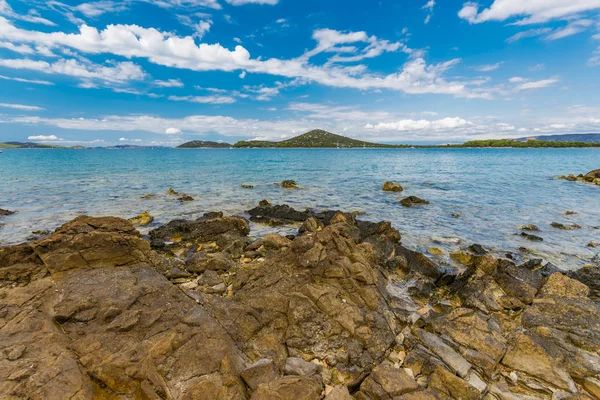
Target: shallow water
(493,190)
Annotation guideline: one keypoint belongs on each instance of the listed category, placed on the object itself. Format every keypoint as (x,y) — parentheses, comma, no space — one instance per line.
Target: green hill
(202,144)
(314,139)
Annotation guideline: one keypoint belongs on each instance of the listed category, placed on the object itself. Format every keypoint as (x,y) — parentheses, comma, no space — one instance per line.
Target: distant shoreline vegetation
(324,140)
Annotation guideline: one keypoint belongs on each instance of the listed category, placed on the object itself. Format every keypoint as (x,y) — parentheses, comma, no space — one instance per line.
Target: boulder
(595,174)
(413,201)
(142,219)
(289,184)
(297,366)
(262,371)
(392,187)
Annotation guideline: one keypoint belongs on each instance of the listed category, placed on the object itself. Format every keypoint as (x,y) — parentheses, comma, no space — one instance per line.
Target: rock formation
(340,311)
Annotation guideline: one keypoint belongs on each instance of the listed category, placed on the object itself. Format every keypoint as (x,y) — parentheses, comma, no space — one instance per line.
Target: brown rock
(451,385)
(262,371)
(387,382)
(289,387)
(558,285)
(413,201)
(392,187)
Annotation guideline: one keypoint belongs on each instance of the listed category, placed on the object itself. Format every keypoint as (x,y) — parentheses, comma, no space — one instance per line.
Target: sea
(478,196)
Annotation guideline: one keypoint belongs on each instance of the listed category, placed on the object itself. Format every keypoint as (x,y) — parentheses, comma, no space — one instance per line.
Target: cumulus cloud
(415,125)
(531,11)
(172,131)
(22,107)
(21,49)
(42,138)
(167,49)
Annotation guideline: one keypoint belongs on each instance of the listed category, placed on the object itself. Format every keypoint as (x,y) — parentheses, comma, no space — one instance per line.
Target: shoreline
(340,308)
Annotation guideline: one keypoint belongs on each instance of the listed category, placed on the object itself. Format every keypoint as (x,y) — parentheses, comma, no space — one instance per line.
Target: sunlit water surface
(494,191)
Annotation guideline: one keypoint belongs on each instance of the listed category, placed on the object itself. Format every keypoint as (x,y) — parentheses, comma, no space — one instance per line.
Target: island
(203,144)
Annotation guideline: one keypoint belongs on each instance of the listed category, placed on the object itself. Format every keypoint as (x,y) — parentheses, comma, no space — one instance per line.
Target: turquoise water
(493,190)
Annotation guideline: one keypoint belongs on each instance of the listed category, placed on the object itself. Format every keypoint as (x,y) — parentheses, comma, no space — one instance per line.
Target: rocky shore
(340,311)
(592,177)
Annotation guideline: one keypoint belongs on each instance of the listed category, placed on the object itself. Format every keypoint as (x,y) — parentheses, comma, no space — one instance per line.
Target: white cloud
(531,11)
(204,99)
(118,73)
(573,28)
(21,107)
(528,34)
(169,83)
(166,49)
(537,84)
(516,79)
(42,138)
(21,49)
(242,74)
(97,8)
(172,131)
(281,21)
(32,16)
(488,68)
(429,6)
(22,80)
(130,140)
(415,125)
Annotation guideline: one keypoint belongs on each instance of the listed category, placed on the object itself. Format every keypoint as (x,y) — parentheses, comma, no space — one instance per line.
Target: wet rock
(277,215)
(4,213)
(264,203)
(590,276)
(435,251)
(148,196)
(593,174)
(185,198)
(532,238)
(530,227)
(246,186)
(392,187)
(262,371)
(212,227)
(142,219)
(289,184)
(477,249)
(413,201)
(172,192)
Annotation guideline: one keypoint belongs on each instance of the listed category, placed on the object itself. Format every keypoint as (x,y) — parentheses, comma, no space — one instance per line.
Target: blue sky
(162,72)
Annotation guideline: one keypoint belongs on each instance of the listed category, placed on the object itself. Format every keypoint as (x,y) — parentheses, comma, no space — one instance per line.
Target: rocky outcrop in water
(413,201)
(392,187)
(142,219)
(5,212)
(340,311)
(592,177)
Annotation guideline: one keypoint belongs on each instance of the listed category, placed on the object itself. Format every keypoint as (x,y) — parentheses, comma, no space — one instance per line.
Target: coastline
(340,308)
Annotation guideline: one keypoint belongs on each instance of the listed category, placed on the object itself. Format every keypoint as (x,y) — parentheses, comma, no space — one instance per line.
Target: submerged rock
(246,186)
(289,184)
(185,198)
(530,227)
(142,219)
(5,212)
(392,187)
(412,201)
(532,238)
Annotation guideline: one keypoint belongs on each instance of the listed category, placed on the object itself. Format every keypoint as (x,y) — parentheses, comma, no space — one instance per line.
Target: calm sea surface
(493,190)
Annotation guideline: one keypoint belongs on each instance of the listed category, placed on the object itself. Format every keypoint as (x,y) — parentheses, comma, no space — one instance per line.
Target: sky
(163,72)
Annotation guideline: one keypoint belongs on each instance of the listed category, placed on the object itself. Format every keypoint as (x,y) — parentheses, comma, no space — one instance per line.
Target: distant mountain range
(27,145)
(315,139)
(575,137)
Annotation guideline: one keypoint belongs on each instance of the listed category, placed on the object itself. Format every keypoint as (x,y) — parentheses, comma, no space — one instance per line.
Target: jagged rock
(262,371)
(212,227)
(5,212)
(386,382)
(449,384)
(142,219)
(105,324)
(590,276)
(454,360)
(214,262)
(413,201)
(339,393)
(392,187)
(277,215)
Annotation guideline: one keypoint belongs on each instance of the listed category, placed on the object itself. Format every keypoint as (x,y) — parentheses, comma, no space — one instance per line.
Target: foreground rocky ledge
(341,311)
